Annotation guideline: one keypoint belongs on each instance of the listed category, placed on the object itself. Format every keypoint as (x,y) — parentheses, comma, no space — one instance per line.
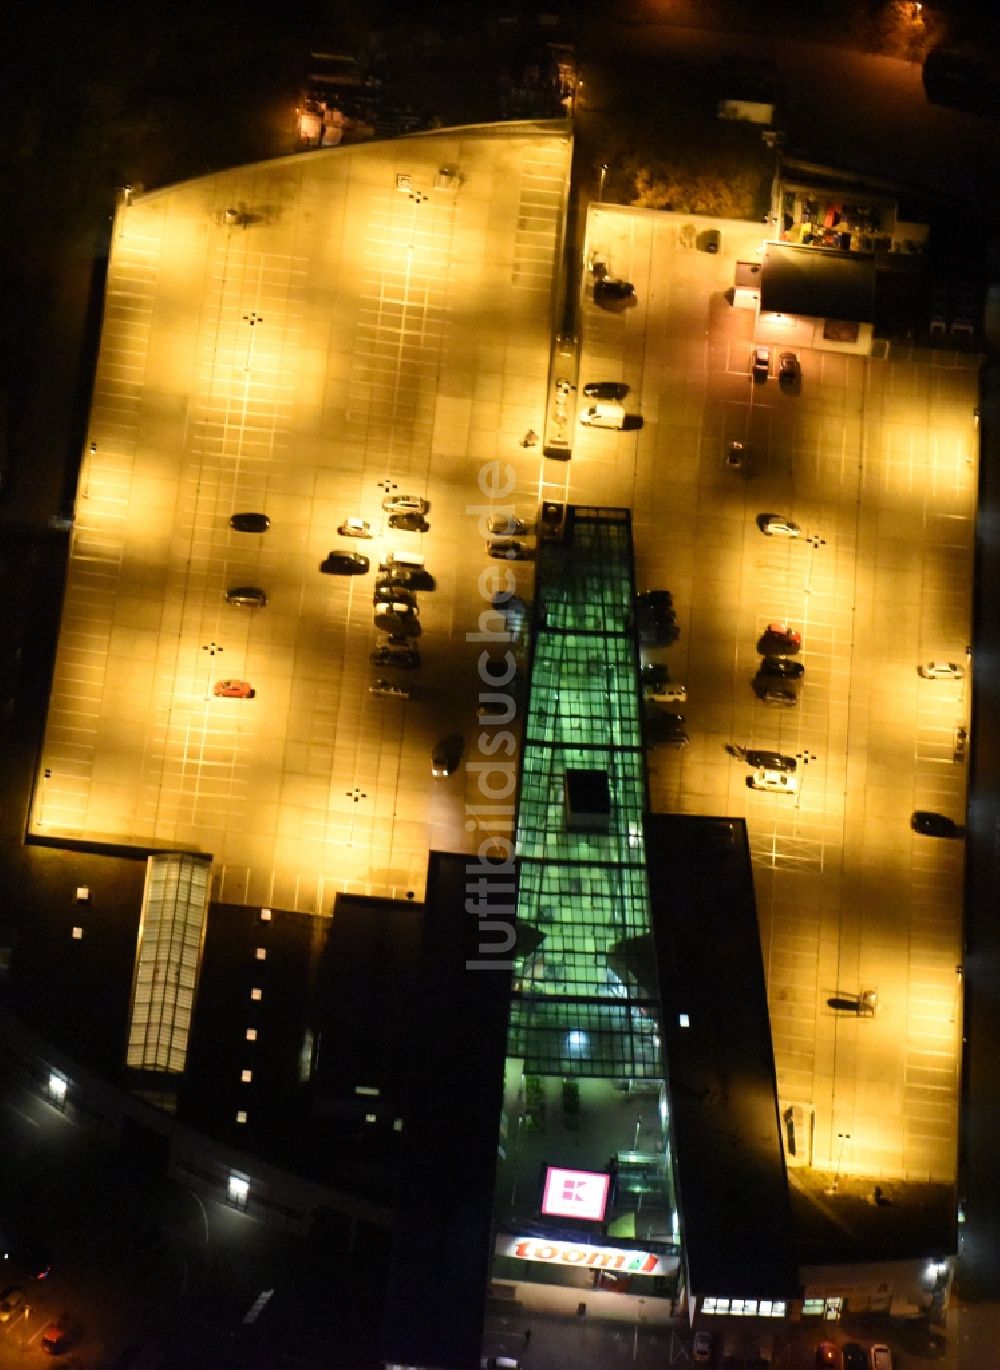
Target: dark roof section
(818,282)
(457,1045)
(730,1168)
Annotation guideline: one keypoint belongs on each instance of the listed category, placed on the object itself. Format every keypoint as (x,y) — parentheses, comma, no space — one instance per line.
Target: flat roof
(818,282)
(728,1159)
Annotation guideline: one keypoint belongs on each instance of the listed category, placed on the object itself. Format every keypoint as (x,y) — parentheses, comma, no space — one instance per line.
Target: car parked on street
(249,523)
(735,455)
(881,1357)
(605,390)
(778,782)
(58,1336)
(777,526)
(932,824)
(339,563)
(409,523)
(355,528)
(652,675)
(941,670)
(827,1355)
(405,504)
(233,689)
(701,1347)
(409,577)
(781,666)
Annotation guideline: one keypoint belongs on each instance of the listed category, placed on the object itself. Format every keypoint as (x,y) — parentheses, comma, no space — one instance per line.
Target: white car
(941,670)
(670,693)
(778,781)
(355,528)
(605,415)
(405,504)
(777,526)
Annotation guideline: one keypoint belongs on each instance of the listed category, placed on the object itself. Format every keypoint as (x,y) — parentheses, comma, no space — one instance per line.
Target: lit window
(246,1076)
(251,1034)
(684,1020)
(238,1190)
(57,1089)
(77,934)
(812,1308)
(265,915)
(371,1117)
(241,1115)
(256,993)
(367,1089)
(722,1305)
(261,953)
(397,1125)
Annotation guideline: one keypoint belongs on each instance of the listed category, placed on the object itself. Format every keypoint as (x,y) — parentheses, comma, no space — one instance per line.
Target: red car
(234,689)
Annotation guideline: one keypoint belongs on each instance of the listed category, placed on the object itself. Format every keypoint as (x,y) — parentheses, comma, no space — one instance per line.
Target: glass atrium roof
(585,1000)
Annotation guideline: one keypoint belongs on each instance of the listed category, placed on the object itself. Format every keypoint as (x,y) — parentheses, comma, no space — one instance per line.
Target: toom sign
(615,1258)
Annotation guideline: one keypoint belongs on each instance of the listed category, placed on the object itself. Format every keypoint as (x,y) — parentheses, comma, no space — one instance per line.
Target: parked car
(655,599)
(605,390)
(933,825)
(779,640)
(669,693)
(389,689)
(653,675)
(710,240)
(735,455)
(788,366)
(409,577)
(233,689)
(386,592)
(57,1336)
(249,523)
(506,524)
(670,729)
(827,1355)
(398,620)
(760,363)
(781,666)
(941,670)
(777,526)
(12,1300)
(701,1347)
(881,1357)
(779,782)
(772,761)
(410,523)
(506,549)
(344,564)
(355,528)
(406,658)
(406,504)
(773,692)
(446,755)
(855,1356)
(611,288)
(246,597)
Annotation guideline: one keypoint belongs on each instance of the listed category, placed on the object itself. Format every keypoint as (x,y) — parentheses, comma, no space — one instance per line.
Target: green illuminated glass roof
(584,992)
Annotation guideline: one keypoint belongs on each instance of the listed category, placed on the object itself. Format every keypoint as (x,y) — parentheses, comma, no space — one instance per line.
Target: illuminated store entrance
(585,1202)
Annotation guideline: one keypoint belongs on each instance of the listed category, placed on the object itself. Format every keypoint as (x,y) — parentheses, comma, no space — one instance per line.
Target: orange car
(234,689)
